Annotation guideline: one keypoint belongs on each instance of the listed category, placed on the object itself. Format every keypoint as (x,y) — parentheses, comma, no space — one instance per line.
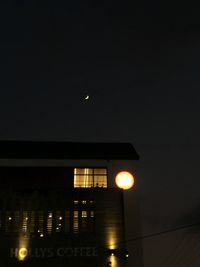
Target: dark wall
(23,178)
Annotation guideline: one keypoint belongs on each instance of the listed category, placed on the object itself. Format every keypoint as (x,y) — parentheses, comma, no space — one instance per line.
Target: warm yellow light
(124,180)
(23,252)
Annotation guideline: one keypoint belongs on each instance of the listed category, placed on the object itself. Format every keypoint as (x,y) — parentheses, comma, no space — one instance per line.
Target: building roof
(66,150)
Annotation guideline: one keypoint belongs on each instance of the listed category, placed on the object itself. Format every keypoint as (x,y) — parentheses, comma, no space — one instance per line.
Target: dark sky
(140,63)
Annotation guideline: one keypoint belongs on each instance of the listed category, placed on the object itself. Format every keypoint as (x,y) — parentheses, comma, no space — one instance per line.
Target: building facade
(60,205)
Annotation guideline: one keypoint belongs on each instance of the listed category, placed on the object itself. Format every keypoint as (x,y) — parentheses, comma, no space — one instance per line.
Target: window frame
(93,176)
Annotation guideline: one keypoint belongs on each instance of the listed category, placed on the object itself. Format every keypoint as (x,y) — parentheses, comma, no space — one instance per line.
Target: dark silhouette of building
(60,206)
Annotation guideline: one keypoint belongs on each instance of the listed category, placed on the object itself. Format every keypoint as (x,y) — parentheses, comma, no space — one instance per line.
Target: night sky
(139,62)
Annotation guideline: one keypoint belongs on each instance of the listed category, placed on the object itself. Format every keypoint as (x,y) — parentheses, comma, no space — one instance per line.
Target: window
(75,224)
(92,221)
(67,221)
(49,222)
(25,222)
(90,177)
(84,221)
(59,220)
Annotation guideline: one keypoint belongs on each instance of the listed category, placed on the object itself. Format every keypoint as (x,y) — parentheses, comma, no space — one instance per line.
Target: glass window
(75,223)
(49,222)
(84,221)
(92,221)
(90,177)
(83,171)
(100,171)
(100,181)
(84,214)
(25,222)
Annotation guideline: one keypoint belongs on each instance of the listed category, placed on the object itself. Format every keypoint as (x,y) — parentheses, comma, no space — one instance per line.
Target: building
(60,205)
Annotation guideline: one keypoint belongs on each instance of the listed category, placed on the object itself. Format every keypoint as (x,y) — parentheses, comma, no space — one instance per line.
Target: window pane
(84,221)
(25,222)
(100,181)
(88,177)
(92,221)
(83,181)
(100,171)
(84,214)
(49,222)
(75,223)
(83,171)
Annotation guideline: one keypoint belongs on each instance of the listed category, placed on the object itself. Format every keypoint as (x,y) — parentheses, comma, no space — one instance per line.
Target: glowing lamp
(124,180)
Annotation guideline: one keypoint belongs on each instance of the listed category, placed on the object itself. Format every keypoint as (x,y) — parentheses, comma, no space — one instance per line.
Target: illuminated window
(75,222)
(89,177)
(25,222)
(84,221)
(49,222)
(92,214)
(84,214)
(92,221)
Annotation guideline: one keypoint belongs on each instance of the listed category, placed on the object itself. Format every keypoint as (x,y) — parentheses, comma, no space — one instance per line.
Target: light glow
(124,180)
(23,252)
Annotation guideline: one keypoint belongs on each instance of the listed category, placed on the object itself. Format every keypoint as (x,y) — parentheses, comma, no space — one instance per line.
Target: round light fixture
(124,180)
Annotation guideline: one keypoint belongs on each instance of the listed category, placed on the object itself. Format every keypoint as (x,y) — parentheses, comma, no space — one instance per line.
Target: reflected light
(23,252)
(113,261)
(112,240)
(124,180)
